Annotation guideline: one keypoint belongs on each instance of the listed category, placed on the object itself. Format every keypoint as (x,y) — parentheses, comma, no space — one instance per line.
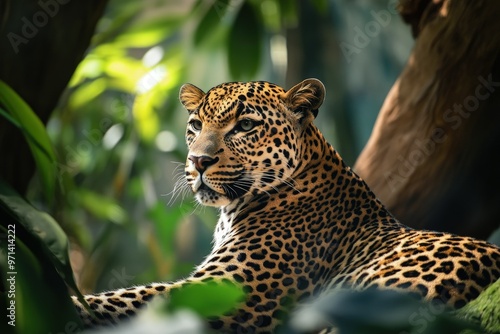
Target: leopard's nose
(201,163)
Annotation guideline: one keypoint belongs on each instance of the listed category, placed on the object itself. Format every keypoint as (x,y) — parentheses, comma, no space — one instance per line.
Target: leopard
(295,220)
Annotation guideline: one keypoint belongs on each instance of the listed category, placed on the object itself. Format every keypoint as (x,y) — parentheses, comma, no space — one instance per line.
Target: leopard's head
(246,138)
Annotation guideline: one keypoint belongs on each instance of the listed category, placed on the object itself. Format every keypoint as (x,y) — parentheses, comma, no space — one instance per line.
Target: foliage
(376,311)
(244,43)
(36,268)
(22,116)
(41,226)
(485,310)
(218,298)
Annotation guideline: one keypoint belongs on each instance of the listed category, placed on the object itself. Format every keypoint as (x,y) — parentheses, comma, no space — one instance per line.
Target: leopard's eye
(246,124)
(196,124)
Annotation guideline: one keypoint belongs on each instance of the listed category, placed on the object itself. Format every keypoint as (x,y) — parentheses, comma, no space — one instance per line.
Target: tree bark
(432,155)
(42,43)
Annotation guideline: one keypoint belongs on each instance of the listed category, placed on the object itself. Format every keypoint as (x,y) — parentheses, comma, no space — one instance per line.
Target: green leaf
(102,207)
(36,136)
(42,227)
(271,15)
(206,299)
(245,44)
(146,118)
(212,21)
(39,298)
(148,32)
(86,92)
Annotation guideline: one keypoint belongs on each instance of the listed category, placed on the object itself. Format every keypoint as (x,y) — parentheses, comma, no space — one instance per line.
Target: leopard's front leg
(113,306)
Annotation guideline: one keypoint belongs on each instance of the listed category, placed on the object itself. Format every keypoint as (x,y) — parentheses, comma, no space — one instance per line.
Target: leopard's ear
(305,98)
(190,96)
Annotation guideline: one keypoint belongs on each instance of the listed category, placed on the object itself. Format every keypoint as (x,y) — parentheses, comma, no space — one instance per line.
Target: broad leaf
(211,21)
(245,44)
(206,299)
(42,227)
(35,134)
(38,298)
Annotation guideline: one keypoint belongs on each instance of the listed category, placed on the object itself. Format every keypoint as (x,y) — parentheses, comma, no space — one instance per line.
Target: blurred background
(118,129)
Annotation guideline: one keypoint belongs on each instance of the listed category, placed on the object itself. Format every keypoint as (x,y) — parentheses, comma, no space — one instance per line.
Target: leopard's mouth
(204,192)
(204,188)
(207,196)
(229,191)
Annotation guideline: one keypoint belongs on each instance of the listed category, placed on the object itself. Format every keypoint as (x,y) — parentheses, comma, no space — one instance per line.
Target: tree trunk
(432,155)
(42,43)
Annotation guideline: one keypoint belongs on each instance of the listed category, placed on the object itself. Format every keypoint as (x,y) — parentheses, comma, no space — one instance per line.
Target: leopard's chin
(209,197)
